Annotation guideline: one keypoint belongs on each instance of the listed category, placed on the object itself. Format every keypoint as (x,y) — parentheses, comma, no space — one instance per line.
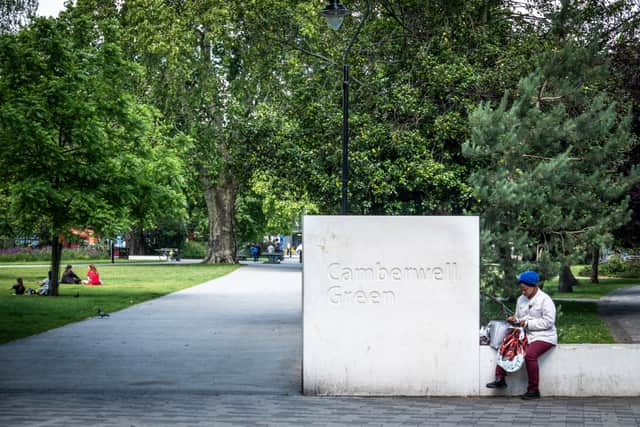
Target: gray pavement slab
(239,333)
(227,352)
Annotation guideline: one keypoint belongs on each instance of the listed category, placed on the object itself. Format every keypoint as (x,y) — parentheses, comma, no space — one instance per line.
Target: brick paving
(189,409)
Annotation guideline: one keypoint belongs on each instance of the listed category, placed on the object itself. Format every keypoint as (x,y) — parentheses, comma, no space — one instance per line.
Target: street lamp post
(335,14)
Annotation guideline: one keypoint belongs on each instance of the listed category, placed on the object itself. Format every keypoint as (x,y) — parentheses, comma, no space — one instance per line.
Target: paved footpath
(227,352)
(620,310)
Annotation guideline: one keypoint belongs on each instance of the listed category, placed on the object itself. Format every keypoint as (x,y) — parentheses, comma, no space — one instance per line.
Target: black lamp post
(335,14)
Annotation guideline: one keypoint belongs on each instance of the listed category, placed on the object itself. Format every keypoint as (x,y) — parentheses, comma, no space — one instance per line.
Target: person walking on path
(255,250)
(536,312)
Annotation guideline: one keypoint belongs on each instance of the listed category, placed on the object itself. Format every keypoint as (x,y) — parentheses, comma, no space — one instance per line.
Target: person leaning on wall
(536,313)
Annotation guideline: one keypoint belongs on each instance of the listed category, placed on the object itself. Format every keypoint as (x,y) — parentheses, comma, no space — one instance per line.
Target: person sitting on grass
(93,277)
(69,277)
(19,286)
(44,285)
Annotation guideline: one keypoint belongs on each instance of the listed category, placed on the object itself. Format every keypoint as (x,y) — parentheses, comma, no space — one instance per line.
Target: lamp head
(334,13)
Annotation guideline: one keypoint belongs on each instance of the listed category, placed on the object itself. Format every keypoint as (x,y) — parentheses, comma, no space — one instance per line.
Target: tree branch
(533,156)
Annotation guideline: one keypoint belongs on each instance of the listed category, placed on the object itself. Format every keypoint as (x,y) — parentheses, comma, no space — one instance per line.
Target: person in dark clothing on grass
(69,277)
(19,286)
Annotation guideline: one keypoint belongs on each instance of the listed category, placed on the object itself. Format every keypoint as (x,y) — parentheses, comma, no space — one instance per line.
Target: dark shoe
(531,395)
(501,383)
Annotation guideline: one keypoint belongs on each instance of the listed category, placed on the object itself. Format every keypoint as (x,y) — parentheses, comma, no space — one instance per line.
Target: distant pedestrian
(45,284)
(254,251)
(536,313)
(19,286)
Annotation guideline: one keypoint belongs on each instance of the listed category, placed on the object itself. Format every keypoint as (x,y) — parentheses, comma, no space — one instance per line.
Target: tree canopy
(227,116)
(72,134)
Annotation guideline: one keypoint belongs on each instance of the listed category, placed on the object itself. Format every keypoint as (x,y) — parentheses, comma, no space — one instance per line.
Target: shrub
(44,254)
(615,267)
(194,249)
(85,253)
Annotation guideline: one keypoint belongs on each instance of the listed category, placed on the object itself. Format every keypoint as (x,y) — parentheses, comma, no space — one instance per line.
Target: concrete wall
(390,305)
(573,370)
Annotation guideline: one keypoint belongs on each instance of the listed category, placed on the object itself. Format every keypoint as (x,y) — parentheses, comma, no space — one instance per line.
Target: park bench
(168,253)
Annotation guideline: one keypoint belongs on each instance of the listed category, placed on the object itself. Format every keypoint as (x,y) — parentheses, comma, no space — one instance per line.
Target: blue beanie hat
(529,278)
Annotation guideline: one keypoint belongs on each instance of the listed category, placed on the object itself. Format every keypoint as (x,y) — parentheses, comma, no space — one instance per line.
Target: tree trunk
(220,198)
(135,242)
(508,269)
(567,279)
(56,256)
(595,259)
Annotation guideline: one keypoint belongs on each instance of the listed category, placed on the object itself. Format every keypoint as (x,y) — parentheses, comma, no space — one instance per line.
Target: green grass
(124,285)
(590,290)
(579,323)
(129,284)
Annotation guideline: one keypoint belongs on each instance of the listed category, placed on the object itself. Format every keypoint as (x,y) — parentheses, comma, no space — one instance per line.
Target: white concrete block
(390,305)
(576,370)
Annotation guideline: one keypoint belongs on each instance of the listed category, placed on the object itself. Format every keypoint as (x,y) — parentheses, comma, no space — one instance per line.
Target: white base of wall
(576,370)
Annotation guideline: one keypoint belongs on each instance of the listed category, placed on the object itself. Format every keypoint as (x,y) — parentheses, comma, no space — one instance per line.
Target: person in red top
(93,277)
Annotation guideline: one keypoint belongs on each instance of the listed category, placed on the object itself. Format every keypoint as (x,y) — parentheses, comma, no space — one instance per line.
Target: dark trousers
(532,353)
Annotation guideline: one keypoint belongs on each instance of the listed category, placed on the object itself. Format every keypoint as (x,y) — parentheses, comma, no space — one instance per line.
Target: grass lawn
(124,285)
(590,290)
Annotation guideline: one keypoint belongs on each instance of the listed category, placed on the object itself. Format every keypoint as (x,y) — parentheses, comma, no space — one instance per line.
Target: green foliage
(193,249)
(270,208)
(67,125)
(246,102)
(547,166)
(210,70)
(415,73)
(44,254)
(580,323)
(616,267)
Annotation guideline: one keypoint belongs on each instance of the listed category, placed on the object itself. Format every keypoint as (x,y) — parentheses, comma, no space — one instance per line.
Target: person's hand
(512,319)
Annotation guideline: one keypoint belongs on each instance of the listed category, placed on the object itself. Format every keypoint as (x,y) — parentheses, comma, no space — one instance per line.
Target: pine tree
(548,177)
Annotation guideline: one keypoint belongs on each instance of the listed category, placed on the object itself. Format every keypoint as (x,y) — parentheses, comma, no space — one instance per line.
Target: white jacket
(540,314)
